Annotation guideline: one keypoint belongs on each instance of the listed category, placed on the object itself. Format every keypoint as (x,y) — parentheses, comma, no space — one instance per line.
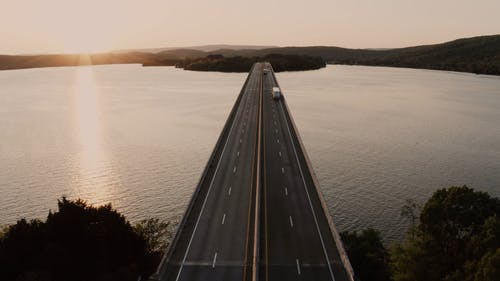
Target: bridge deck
(258,167)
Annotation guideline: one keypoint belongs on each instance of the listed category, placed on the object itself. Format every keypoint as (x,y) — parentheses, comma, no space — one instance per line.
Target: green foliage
(78,242)
(3,230)
(367,254)
(410,261)
(156,233)
(217,62)
(488,268)
(457,238)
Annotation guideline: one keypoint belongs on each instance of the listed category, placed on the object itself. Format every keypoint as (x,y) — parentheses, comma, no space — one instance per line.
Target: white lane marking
(282,170)
(298,266)
(215,259)
(286,191)
(278,140)
(274,122)
(276,130)
(204,202)
(291,221)
(310,203)
(234,169)
(223,218)
(238,154)
(229,191)
(279,153)
(240,140)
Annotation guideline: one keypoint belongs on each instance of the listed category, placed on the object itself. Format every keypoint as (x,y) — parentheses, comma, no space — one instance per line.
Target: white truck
(276,93)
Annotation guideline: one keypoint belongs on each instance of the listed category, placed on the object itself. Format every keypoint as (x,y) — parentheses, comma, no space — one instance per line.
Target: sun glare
(87,109)
(93,158)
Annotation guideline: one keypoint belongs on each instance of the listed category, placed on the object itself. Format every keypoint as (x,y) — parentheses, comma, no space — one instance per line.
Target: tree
(77,242)
(156,233)
(457,228)
(367,254)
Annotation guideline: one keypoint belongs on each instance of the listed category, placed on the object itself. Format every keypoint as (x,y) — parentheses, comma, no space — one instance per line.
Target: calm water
(140,137)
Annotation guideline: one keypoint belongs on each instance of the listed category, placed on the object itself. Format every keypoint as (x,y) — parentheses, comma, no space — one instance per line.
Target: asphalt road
(295,239)
(216,240)
(256,213)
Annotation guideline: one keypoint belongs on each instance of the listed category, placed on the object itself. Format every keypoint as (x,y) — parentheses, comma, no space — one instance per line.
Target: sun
(85,38)
(85,45)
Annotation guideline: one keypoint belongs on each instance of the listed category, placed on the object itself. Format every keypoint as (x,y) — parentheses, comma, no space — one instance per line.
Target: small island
(217,62)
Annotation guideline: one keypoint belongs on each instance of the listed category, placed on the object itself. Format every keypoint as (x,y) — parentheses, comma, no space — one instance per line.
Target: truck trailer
(276,93)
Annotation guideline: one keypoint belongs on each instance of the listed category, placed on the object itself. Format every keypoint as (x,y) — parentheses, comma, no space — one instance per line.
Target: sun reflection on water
(96,179)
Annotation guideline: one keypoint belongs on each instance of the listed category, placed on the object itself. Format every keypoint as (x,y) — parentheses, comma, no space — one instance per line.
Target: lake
(139,137)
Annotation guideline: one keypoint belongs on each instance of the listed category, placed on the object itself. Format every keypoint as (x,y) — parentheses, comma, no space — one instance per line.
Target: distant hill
(19,62)
(477,55)
(203,48)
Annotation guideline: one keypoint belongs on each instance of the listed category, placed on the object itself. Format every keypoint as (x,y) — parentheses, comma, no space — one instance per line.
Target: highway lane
(216,238)
(296,242)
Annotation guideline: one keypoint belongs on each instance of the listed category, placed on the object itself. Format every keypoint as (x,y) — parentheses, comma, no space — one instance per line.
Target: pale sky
(40,26)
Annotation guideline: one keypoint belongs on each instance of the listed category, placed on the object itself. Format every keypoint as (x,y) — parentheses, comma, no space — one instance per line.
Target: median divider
(256,250)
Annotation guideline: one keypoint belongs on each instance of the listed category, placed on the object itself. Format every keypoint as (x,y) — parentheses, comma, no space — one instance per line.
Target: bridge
(257,212)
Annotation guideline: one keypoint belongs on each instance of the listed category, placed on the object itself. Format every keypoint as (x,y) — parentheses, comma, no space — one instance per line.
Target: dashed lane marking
(215,259)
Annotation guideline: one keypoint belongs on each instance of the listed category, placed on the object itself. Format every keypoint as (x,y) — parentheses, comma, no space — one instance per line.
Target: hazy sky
(37,26)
